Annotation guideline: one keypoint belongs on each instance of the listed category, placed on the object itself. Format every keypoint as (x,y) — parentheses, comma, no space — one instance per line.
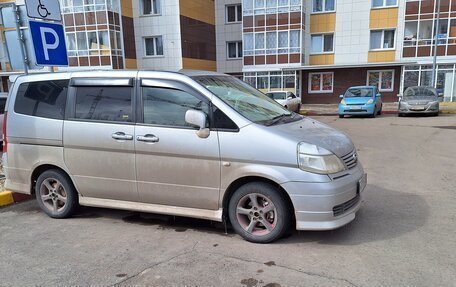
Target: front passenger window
(167,107)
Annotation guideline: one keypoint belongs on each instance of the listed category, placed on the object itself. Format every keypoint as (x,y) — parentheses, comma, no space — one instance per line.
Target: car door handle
(122,136)
(148,138)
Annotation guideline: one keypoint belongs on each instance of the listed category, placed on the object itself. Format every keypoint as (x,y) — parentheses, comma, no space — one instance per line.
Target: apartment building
(130,34)
(319,48)
(175,34)
(315,48)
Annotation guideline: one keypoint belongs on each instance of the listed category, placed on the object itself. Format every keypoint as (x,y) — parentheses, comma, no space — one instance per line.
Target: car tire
(264,221)
(56,194)
(298,109)
(400,114)
(380,111)
(373,115)
(341,116)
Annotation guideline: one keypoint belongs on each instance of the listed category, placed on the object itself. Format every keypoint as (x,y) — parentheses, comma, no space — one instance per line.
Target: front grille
(346,206)
(351,159)
(358,111)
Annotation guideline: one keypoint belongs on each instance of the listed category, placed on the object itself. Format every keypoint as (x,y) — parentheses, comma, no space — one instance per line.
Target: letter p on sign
(48,46)
(49,43)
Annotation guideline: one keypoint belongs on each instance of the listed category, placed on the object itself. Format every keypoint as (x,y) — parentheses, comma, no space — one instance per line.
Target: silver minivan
(196,144)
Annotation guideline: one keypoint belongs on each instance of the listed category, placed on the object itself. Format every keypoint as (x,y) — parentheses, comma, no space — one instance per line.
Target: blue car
(362,100)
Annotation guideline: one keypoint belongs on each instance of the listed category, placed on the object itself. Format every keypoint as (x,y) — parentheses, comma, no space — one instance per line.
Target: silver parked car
(419,100)
(286,99)
(195,144)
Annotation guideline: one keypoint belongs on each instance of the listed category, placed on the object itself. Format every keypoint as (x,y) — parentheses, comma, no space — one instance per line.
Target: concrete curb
(8,197)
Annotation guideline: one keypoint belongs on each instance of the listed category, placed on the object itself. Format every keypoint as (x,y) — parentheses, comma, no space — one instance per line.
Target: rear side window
(45,99)
(104,103)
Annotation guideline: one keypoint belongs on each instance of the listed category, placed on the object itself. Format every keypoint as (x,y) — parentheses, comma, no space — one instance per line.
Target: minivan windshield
(358,92)
(247,101)
(425,92)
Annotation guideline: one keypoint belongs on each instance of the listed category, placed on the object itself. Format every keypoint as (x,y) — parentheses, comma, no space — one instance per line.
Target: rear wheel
(55,194)
(259,213)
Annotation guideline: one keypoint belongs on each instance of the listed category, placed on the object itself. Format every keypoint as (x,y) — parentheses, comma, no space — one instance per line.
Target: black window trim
(70,112)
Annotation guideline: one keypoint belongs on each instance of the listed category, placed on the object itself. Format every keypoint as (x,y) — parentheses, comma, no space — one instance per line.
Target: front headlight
(343,102)
(316,159)
(371,101)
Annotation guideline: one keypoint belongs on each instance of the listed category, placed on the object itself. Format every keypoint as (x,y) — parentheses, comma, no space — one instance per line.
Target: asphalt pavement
(404,234)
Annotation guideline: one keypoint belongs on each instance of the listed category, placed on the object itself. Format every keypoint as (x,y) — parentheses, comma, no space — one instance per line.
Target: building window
(234,50)
(259,7)
(322,43)
(321,82)
(233,13)
(383,80)
(276,42)
(383,3)
(267,81)
(151,7)
(323,6)
(382,39)
(153,46)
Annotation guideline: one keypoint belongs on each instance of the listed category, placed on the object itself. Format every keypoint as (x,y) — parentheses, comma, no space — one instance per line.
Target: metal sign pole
(20,37)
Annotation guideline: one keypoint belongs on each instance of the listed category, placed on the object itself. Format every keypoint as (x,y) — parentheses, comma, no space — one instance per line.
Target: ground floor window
(421,75)
(321,82)
(273,81)
(382,79)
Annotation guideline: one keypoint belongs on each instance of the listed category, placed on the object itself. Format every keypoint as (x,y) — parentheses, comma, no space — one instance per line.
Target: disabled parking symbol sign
(49,43)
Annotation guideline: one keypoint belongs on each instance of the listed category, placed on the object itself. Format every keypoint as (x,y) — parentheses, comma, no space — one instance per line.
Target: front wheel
(55,194)
(259,213)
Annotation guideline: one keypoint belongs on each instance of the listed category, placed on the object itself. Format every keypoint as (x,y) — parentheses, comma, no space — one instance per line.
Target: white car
(286,99)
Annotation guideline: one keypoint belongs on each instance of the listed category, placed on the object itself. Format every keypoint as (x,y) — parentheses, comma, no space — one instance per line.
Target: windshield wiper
(278,118)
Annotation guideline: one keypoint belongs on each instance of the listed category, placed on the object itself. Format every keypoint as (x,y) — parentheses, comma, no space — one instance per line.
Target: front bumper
(417,109)
(330,205)
(365,109)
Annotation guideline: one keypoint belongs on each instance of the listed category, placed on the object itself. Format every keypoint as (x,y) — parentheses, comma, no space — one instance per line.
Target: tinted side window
(104,103)
(2,106)
(163,106)
(222,121)
(42,99)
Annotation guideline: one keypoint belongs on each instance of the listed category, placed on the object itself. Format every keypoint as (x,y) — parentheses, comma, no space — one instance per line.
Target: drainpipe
(434,61)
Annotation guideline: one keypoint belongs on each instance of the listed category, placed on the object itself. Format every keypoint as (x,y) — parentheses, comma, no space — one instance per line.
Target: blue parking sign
(49,43)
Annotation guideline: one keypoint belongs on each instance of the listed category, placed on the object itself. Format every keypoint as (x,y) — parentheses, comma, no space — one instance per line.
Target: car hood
(314,132)
(357,100)
(282,102)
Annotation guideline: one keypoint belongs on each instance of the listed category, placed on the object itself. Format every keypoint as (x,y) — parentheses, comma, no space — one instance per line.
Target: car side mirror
(199,119)
(289,98)
(341,96)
